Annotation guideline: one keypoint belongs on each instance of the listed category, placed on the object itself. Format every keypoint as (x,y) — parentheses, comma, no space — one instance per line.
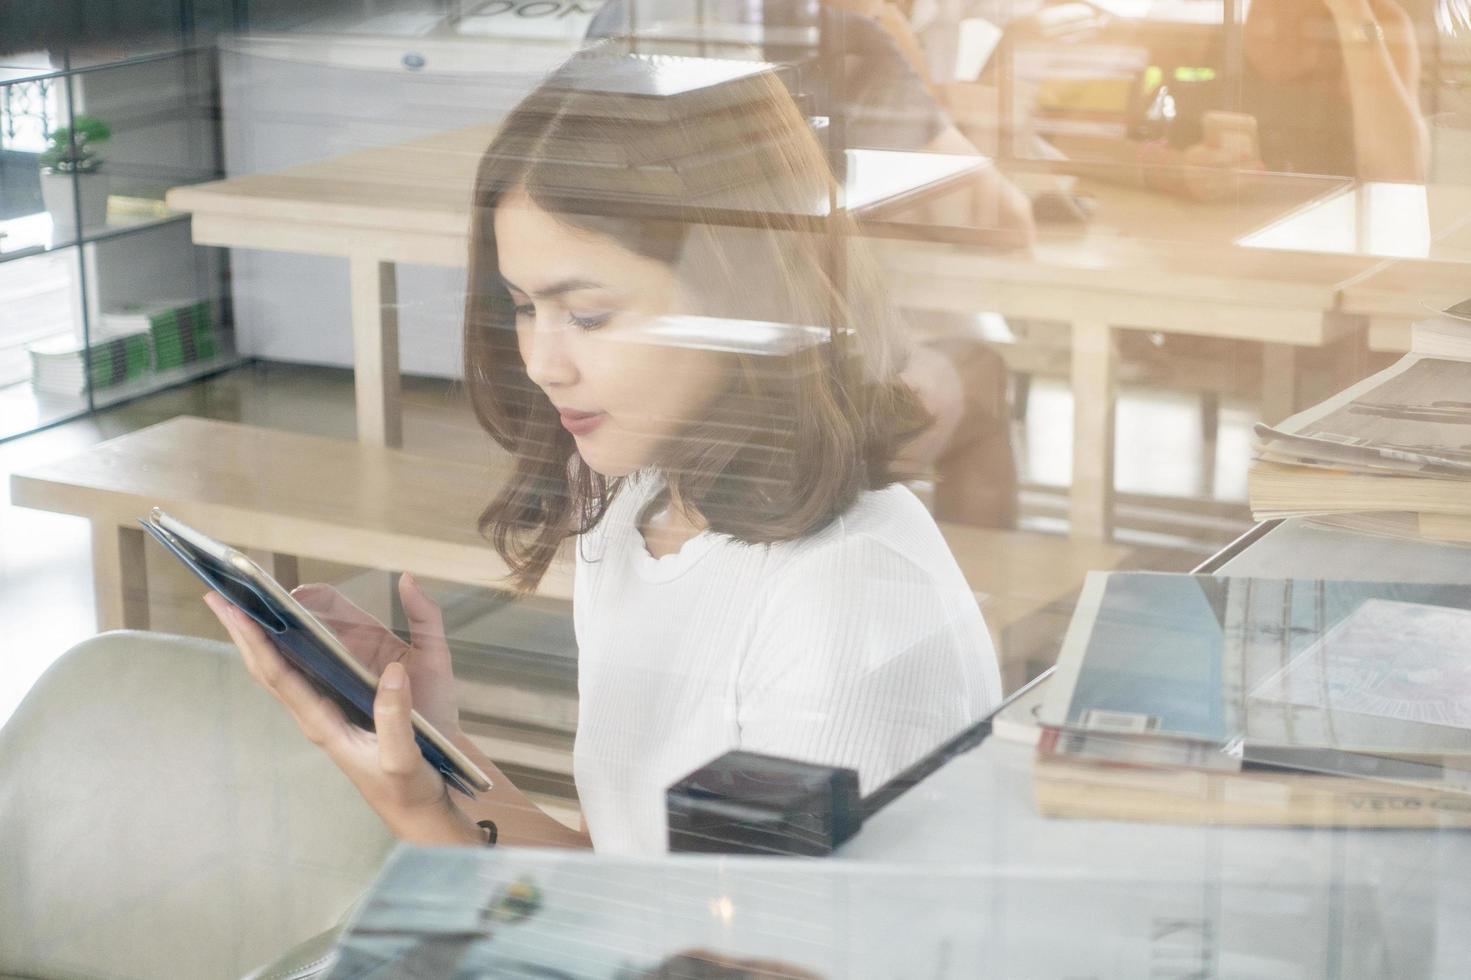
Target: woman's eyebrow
(559,288)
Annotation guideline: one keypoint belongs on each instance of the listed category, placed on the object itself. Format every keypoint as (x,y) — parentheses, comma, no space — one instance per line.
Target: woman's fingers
(426,622)
(318,718)
(386,766)
(398,753)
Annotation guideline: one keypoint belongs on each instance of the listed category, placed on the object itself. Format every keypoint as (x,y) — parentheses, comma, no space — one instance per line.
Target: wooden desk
(1153,262)
(283,496)
(1399,292)
(411,203)
(1146,261)
(1418,235)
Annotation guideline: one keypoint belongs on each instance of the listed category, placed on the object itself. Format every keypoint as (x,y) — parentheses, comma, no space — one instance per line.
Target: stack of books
(182,332)
(1390,455)
(66,366)
(1202,699)
(126,345)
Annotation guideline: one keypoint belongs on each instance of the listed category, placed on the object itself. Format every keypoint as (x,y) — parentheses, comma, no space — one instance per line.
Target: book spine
(114,361)
(1070,790)
(184,335)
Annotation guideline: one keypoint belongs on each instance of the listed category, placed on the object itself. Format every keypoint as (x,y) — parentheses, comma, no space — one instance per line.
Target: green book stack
(64,365)
(183,332)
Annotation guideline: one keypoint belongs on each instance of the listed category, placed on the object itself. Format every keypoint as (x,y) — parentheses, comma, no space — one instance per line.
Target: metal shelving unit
(162,105)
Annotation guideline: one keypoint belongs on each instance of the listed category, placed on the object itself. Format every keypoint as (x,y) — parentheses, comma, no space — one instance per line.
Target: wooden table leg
(1279,382)
(375,350)
(1094,360)
(119,576)
(1210,437)
(1348,355)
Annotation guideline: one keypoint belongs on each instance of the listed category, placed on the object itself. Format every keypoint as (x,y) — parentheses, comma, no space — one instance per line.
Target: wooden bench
(282,496)
(279,495)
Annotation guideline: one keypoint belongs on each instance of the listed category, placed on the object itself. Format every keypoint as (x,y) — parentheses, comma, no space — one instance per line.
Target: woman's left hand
(376,646)
(385,765)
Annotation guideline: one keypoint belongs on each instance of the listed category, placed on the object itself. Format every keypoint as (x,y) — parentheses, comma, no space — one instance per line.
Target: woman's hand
(385,765)
(1204,172)
(376,646)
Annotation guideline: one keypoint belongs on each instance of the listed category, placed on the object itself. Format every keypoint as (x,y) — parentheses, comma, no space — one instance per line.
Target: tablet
(302,639)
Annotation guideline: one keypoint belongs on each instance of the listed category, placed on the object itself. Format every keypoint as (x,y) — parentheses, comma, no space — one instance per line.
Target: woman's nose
(548,361)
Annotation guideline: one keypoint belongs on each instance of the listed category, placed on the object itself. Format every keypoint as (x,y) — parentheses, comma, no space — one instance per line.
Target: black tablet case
(299,646)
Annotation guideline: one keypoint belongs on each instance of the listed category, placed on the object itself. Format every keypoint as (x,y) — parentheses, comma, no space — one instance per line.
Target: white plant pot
(56,191)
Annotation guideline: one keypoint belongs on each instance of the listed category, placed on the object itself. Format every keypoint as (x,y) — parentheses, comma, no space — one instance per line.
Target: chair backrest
(161,815)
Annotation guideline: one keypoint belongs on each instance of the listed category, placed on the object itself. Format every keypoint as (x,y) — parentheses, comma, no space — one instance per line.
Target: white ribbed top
(861,646)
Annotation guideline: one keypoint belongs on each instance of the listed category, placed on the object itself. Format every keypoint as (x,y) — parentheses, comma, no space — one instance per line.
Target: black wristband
(491,833)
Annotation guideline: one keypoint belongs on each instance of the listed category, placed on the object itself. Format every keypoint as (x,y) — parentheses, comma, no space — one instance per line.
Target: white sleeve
(860,659)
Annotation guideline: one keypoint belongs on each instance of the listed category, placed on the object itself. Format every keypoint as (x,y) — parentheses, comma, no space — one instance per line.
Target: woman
(1330,86)
(886,101)
(749,573)
(1334,86)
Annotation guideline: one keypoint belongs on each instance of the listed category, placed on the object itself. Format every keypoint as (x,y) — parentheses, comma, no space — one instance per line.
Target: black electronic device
(748,803)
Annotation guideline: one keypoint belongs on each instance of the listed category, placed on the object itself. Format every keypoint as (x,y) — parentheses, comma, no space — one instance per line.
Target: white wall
(288,101)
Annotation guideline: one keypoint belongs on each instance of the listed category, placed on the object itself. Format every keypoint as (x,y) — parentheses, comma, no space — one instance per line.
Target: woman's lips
(581,423)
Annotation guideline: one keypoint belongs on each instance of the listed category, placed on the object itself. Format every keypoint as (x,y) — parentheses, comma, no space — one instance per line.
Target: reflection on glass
(528,914)
(670,461)
(1413,221)
(1318,88)
(672,273)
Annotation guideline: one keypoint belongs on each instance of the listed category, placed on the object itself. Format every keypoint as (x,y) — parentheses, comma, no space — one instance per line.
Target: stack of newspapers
(1390,455)
(1205,699)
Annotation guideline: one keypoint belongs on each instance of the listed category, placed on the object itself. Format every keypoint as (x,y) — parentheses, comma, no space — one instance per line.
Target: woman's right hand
(1210,173)
(427,660)
(385,764)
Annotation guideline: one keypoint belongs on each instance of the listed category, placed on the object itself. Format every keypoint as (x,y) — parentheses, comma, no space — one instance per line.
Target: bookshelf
(62,269)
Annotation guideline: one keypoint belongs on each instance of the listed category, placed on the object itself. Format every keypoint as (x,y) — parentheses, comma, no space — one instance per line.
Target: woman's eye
(524,309)
(589,322)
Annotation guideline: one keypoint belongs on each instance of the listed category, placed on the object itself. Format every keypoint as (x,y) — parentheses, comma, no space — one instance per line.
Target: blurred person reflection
(715,425)
(887,102)
(1326,87)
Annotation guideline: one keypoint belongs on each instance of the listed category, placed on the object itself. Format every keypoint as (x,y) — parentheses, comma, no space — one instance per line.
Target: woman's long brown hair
(795,437)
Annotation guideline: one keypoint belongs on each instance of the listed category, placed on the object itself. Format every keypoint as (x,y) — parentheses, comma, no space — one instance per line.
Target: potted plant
(71,155)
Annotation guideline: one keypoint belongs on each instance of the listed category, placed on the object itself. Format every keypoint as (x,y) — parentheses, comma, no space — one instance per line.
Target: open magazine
(1210,672)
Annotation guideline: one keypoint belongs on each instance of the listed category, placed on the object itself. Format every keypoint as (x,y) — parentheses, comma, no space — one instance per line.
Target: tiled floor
(45,578)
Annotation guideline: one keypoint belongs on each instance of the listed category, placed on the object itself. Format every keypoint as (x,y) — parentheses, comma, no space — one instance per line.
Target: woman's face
(582,303)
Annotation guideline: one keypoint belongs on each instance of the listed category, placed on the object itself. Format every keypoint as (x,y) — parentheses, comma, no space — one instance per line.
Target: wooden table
(1397,293)
(284,496)
(1145,261)
(1152,262)
(411,203)
(278,495)
(1419,237)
